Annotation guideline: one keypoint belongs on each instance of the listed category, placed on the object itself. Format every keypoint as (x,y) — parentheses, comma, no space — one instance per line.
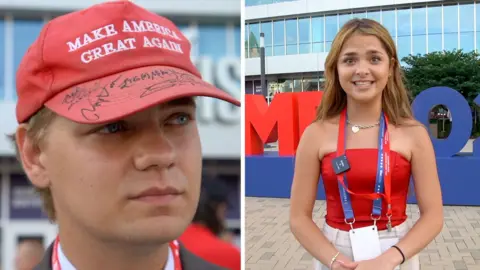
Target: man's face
(98,173)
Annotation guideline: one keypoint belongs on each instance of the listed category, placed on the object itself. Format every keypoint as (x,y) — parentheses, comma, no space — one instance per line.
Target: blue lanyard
(379,182)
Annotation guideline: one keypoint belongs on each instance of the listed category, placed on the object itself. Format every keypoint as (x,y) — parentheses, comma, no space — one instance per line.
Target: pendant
(355,129)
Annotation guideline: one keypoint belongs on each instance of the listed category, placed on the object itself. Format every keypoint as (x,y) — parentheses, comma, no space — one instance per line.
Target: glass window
(297,85)
(24,34)
(252,2)
(477,6)
(403,32)
(331,29)
(2,60)
(419,30)
(403,17)
(466,18)
(466,27)
(360,14)
(419,21)
(266,28)
(467,41)
(403,47)
(279,38)
(247,33)
(419,44)
(388,20)
(257,87)
(374,15)
(318,31)
(249,87)
(292,36)
(254,40)
(450,26)
(273,88)
(434,28)
(304,35)
(344,18)
(310,84)
(285,85)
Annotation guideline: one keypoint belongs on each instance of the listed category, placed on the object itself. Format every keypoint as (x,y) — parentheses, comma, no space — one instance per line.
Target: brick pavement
(269,243)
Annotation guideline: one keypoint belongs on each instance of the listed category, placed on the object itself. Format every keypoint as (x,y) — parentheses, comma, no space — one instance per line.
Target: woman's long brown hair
(395,97)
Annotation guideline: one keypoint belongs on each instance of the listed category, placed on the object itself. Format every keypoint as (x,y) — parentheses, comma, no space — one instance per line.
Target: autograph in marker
(90,99)
(178,79)
(79,94)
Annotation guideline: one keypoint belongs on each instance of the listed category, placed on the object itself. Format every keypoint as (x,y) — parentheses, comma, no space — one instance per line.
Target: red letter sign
(284,120)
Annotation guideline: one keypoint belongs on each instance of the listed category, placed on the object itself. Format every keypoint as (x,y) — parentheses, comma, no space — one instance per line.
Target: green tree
(455,69)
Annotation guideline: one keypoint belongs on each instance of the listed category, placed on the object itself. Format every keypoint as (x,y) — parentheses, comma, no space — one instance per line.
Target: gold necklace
(356,128)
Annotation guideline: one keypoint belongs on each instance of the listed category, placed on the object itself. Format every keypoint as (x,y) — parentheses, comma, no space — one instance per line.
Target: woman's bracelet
(333,259)
(401,252)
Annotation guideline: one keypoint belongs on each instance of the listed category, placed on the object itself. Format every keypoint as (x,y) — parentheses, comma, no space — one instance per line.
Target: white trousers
(341,240)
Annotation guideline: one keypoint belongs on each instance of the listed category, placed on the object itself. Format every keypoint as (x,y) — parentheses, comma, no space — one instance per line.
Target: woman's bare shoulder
(321,127)
(414,130)
(317,135)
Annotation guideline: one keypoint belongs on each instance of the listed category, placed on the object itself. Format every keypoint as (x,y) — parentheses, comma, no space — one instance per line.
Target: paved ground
(270,244)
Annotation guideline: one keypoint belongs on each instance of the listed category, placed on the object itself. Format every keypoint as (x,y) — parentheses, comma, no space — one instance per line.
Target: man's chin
(157,229)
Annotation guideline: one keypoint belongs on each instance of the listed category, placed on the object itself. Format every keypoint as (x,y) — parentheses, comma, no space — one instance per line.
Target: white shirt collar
(66,265)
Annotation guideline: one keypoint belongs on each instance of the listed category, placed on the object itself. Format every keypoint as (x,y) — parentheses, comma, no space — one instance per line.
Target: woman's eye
(376,59)
(113,128)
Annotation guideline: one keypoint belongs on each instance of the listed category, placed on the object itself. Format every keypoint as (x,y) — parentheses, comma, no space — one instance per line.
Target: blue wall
(271,175)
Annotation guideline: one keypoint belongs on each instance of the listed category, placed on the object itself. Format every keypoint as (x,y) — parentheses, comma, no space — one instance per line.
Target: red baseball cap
(107,62)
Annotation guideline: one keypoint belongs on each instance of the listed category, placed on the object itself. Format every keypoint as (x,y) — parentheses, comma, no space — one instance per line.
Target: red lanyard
(386,155)
(174,246)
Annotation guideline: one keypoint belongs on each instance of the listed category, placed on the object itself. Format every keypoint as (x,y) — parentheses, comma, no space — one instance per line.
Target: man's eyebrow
(187,101)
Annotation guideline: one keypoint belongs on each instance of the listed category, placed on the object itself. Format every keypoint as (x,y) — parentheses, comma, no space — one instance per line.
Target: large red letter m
(266,124)
(284,121)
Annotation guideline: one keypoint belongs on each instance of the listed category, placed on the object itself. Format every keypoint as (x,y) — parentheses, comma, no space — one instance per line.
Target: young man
(108,136)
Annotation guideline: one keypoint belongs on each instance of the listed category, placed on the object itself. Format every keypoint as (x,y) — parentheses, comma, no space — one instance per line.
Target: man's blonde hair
(37,127)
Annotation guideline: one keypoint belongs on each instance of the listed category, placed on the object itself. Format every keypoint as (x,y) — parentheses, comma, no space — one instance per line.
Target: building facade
(212,26)
(299,34)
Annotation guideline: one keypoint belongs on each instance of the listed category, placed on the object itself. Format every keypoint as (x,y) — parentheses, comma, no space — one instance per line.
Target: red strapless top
(361,179)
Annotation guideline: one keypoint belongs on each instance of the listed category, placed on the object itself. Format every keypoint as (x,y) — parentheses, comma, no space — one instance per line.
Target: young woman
(365,145)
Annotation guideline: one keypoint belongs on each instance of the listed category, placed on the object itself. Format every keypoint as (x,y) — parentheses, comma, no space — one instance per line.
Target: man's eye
(180,119)
(113,128)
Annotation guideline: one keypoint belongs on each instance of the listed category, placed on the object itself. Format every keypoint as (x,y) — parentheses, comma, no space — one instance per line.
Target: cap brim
(116,96)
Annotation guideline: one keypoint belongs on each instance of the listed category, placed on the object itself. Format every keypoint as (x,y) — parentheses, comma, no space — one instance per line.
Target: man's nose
(154,149)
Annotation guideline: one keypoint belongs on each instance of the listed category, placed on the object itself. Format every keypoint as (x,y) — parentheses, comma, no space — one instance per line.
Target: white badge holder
(365,242)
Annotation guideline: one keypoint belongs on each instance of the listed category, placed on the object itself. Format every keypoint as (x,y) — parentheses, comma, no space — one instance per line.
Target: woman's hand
(344,263)
(379,263)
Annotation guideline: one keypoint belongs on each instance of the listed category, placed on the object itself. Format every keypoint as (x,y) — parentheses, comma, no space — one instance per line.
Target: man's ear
(30,155)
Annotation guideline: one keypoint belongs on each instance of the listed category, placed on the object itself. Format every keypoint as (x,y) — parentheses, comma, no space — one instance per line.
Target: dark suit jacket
(189,261)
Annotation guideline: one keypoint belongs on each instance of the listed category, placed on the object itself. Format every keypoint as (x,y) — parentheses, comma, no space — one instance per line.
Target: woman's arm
(303,195)
(429,198)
